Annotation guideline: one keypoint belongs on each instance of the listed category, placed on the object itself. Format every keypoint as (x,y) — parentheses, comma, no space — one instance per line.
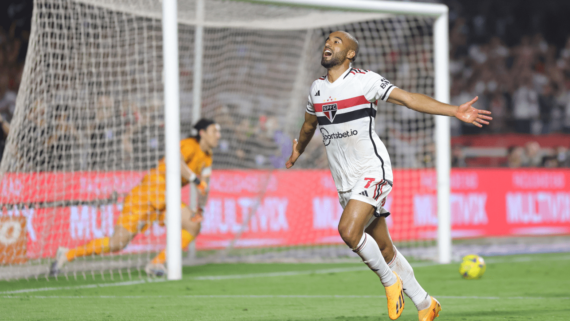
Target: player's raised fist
(294,155)
(472,115)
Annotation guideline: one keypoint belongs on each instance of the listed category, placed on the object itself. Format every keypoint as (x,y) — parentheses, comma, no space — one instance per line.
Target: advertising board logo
(330,111)
(10,232)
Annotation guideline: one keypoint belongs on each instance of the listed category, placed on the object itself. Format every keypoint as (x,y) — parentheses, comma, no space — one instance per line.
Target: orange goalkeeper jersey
(146,202)
(193,156)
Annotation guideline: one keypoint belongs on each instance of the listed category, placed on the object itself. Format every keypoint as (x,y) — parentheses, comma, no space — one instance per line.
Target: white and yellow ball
(472,267)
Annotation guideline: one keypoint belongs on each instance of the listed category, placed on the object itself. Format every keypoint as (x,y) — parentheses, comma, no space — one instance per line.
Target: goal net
(89,124)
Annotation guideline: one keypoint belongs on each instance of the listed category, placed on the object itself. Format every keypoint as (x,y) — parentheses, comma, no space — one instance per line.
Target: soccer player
(343,103)
(146,202)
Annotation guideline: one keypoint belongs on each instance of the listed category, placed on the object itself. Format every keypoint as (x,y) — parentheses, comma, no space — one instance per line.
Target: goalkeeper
(146,202)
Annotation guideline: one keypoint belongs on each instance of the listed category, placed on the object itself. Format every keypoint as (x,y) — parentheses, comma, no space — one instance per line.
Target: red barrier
(297,207)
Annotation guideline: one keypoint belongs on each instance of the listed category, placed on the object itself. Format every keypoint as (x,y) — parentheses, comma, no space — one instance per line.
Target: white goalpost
(172,135)
(111,86)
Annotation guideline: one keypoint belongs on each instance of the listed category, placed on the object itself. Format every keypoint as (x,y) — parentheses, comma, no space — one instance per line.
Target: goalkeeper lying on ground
(146,203)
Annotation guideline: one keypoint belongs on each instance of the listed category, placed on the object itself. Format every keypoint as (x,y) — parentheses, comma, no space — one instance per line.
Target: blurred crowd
(516,58)
(531,155)
(527,87)
(14,35)
(11,67)
(520,75)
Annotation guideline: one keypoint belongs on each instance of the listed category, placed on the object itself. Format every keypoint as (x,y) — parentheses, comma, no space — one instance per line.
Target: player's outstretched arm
(187,174)
(425,104)
(307,132)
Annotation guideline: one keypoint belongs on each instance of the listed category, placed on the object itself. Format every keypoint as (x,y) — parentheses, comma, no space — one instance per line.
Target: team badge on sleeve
(330,111)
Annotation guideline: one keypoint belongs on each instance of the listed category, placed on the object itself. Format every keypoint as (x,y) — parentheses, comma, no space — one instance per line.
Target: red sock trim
(394,258)
(356,250)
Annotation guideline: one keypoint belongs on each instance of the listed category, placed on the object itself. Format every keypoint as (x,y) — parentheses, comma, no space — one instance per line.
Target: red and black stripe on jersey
(366,111)
(346,117)
(355,71)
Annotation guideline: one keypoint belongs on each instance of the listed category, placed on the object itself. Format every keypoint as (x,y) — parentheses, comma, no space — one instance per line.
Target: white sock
(412,288)
(370,253)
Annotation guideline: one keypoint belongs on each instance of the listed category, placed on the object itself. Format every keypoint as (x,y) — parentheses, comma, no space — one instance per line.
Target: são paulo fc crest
(330,111)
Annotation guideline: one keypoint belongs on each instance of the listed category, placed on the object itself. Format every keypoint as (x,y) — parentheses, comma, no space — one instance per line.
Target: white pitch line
(88,286)
(291,273)
(258,275)
(198,278)
(301,296)
(277,274)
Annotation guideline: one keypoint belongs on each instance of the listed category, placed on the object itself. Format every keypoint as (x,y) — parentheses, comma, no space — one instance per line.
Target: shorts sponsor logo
(328,137)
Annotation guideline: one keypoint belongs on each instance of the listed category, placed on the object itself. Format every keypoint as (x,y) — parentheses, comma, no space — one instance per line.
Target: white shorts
(371,189)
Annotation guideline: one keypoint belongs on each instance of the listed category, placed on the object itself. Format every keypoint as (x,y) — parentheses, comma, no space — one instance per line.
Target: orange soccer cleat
(395,296)
(430,313)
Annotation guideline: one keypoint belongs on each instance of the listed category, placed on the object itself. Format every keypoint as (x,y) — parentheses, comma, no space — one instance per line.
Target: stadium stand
(521,75)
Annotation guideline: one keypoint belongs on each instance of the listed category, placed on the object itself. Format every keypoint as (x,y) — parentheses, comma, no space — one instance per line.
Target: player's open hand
(472,115)
(294,155)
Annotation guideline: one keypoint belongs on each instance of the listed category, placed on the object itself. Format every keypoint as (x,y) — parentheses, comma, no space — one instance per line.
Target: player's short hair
(202,124)
(353,38)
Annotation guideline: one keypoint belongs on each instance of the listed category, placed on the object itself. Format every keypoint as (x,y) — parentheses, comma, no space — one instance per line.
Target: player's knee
(350,235)
(196,227)
(192,227)
(115,246)
(120,239)
(118,244)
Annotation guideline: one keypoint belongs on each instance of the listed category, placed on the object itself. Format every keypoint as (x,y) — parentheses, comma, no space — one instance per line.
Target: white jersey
(345,111)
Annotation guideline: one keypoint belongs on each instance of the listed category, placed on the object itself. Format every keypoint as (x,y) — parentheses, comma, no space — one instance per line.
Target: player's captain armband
(377,87)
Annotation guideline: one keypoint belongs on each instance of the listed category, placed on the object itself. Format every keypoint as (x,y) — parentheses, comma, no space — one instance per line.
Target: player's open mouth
(327,53)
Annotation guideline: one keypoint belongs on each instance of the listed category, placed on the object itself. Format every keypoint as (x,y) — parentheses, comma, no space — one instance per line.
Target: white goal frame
(172,108)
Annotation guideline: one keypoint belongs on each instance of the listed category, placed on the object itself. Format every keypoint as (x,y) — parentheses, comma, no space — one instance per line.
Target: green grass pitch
(530,287)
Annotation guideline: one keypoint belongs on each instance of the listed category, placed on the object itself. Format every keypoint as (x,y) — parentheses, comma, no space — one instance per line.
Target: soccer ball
(472,267)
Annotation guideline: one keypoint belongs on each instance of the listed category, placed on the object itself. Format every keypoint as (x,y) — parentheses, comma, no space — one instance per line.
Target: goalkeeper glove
(201,185)
(197,217)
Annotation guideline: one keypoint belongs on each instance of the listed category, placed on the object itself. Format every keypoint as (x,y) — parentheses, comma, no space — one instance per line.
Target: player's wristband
(197,181)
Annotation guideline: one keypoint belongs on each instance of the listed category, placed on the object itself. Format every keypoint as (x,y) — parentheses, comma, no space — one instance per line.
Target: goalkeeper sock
(186,237)
(96,246)
(412,288)
(370,253)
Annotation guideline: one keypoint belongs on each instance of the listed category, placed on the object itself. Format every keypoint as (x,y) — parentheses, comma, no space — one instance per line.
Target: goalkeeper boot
(155,269)
(430,313)
(395,296)
(60,260)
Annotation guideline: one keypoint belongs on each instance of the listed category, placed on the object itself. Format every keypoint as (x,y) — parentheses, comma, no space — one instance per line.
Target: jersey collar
(340,79)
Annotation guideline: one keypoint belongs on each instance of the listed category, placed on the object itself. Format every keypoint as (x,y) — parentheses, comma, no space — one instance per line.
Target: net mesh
(89,124)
